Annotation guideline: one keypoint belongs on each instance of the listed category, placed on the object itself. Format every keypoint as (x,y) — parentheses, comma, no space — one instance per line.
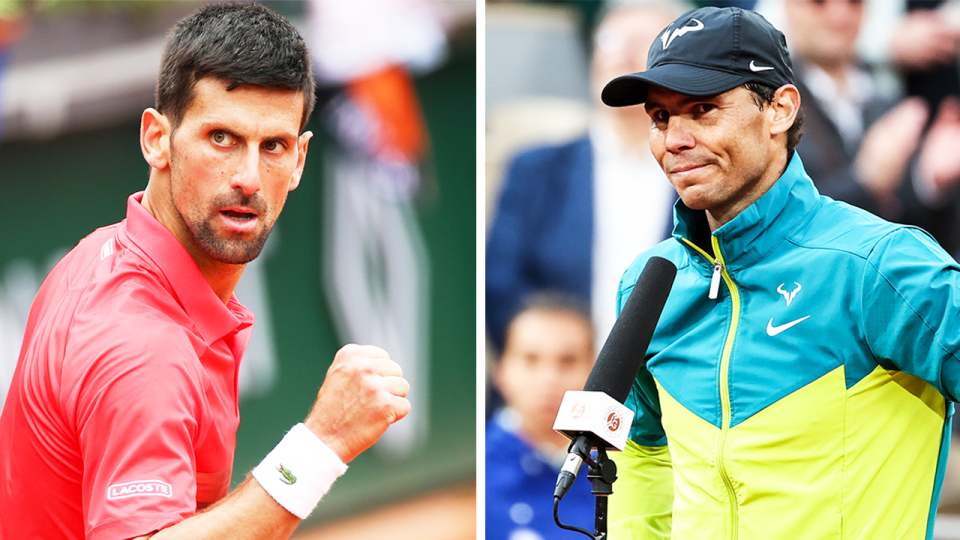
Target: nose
(247,177)
(678,135)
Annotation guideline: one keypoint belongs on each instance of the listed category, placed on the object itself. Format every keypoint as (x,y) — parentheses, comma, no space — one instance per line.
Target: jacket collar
(763,225)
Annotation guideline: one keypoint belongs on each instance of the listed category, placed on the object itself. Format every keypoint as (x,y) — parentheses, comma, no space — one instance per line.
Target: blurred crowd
(881,132)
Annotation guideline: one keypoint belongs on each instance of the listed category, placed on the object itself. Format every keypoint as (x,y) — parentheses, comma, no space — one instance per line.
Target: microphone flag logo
(594,413)
(613,419)
(578,409)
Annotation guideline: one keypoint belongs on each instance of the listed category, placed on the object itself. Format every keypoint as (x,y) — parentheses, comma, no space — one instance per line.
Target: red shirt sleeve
(140,413)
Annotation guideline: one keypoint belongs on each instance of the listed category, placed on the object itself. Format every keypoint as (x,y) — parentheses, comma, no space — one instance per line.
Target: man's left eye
(273,147)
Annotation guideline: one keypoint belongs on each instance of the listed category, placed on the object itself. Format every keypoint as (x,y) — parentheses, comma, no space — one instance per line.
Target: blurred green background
(62,184)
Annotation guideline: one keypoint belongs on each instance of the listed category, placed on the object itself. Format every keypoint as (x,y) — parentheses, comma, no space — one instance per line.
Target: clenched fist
(364,392)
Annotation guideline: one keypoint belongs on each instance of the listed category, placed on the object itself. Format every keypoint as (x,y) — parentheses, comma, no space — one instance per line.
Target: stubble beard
(228,250)
(201,224)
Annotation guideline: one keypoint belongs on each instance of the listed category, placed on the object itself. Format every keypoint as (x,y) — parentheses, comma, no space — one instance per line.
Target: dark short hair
(763,96)
(243,44)
(553,301)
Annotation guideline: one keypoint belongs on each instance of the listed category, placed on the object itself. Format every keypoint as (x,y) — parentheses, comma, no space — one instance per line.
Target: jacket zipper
(715,280)
(720,271)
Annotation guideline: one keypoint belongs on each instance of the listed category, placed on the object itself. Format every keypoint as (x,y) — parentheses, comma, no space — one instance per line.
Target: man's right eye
(220,137)
(659,116)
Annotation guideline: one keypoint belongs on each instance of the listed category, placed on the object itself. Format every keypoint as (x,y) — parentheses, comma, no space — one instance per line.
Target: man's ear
(303,142)
(784,108)
(155,138)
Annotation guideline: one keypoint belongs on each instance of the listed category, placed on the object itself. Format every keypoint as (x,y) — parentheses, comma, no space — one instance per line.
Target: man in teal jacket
(800,381)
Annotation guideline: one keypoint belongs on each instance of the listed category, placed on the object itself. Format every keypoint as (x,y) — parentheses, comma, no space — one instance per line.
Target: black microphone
(616,368)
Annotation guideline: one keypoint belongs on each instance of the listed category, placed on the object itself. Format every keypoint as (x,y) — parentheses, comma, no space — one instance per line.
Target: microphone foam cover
(623,353)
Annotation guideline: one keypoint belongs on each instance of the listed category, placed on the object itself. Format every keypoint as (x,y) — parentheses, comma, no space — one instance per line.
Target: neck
(718,217)
(221,277)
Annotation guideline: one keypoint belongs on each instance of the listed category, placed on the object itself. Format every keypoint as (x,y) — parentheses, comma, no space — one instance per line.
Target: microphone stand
(602,473)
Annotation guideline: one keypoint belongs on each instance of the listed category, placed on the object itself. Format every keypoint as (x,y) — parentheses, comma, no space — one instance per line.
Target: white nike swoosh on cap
(754,67)
(774,330)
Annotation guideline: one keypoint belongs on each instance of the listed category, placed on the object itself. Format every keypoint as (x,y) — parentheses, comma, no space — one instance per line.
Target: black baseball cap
(708,51)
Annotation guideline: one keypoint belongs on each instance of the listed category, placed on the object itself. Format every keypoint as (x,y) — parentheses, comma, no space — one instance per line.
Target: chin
(232,250)
(698,195)
(692,201)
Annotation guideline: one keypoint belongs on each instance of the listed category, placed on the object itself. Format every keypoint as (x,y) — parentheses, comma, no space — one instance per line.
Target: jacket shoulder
(841,226)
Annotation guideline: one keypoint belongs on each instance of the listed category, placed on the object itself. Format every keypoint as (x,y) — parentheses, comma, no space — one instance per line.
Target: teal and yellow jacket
(800,381)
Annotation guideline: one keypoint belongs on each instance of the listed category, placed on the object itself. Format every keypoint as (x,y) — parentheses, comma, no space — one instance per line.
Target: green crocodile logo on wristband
(288,477)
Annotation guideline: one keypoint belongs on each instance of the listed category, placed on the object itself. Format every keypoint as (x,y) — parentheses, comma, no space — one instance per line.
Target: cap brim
(681,78)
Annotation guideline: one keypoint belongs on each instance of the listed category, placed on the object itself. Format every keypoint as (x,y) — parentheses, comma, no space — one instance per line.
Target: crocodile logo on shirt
(288,477)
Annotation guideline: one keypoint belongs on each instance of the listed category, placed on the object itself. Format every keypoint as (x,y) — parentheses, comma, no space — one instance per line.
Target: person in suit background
(862,145)
(570,217)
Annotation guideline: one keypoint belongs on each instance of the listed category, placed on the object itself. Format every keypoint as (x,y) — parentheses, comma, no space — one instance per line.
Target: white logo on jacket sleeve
(107,249)
(139,488)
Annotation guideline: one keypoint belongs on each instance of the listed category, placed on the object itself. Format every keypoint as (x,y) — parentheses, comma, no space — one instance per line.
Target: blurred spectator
(572,217)
(859,145)
(376,265)
(924,47)
(549,350)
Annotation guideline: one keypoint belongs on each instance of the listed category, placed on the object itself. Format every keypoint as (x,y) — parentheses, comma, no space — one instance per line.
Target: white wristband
(299,471)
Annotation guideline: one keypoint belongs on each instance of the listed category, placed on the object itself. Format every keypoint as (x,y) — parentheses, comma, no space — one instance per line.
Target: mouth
(240,212)
(685,168)
(239,219)
(238,215)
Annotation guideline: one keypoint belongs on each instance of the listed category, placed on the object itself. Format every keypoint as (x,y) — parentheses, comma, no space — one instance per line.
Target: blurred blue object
(519,490)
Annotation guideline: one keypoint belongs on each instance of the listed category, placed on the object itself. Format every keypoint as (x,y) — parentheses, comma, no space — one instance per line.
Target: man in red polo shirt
(121,418)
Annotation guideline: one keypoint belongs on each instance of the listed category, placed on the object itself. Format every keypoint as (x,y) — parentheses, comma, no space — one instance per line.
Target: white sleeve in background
(353,38)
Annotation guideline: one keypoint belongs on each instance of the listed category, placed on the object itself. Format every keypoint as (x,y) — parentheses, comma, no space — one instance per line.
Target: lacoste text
(139,488)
